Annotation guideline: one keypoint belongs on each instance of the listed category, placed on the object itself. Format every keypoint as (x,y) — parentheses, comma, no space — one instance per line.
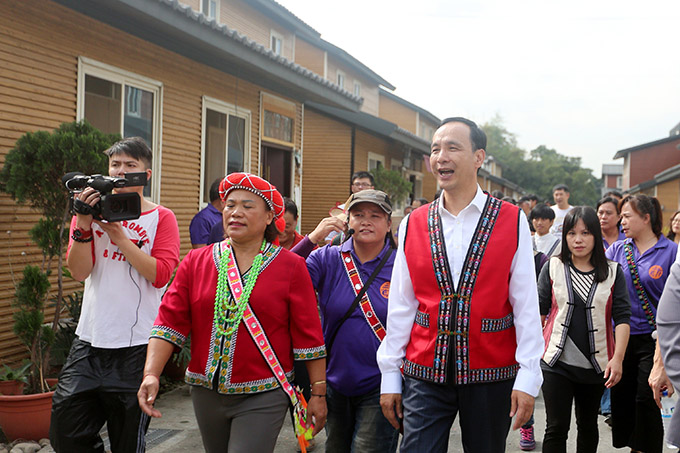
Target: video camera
(111,207)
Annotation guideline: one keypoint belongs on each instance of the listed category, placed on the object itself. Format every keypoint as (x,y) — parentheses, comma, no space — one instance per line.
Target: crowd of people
(482,303)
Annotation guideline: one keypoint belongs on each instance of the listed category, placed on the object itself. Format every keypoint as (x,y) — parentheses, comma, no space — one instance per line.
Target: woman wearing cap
(237,398)
(354,325)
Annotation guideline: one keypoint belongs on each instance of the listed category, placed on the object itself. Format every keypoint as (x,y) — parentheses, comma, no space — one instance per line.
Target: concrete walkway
(177,432)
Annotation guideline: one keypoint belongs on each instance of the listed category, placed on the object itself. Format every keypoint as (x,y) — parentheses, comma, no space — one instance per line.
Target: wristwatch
(82,235)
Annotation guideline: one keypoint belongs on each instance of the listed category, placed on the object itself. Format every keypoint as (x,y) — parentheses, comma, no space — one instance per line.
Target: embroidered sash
(639,289)
(257,333)
(365,304)
(454,307)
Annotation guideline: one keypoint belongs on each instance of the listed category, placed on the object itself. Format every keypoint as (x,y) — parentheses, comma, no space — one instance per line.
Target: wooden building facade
(252,89)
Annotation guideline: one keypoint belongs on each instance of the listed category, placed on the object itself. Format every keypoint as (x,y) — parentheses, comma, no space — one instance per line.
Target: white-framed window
(375,160)
(276,42)
(225,142)
(357,89)
(396,165)
(211,9)
(619,182)
(116,101)
(340,79)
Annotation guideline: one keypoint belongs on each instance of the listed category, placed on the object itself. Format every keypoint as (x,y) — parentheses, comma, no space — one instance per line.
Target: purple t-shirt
(352,368)
(606,244)
(653,267)
(199,228)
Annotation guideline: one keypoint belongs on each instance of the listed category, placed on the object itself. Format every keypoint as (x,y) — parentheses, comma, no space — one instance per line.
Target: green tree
(392,183)
(541,169)
(32,174)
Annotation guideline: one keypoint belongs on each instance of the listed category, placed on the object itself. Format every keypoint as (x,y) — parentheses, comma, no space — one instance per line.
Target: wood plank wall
(40,43)
(325,167)
(309,56)
(240,16)
(398,113)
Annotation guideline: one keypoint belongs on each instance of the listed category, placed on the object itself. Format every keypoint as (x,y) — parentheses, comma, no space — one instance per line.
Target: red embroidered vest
(470,321)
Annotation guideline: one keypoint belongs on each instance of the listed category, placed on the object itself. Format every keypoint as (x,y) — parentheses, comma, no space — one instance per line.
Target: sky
(585,77)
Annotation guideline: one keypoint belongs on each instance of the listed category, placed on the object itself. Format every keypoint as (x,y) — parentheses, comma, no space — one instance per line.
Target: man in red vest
(463,317)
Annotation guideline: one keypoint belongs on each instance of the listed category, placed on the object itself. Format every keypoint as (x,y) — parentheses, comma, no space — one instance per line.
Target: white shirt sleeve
(401,312)
(524,300)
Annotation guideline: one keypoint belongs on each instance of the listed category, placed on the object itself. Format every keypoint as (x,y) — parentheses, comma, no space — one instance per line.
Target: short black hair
(561,187)
(361,175)
(498,194)
(542,211)
(477,135)
(290,207)
(523,199)
(214,193)
(592,223)
(423,201)
(611,200)
(509,199)
(134,147)
(614,193)
(533,197)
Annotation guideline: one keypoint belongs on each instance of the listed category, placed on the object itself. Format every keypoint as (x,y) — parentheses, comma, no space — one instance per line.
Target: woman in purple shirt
(646,257)
(355,421)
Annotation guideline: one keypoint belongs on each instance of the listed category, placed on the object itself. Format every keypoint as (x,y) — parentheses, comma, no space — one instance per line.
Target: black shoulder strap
(357,299)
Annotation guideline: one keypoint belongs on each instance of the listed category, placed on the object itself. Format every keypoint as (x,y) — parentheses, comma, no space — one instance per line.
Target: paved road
(177,431)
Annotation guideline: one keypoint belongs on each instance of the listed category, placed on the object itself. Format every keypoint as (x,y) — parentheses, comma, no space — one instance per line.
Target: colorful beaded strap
(365,304)
(254,328)
(303,433)
(639,289)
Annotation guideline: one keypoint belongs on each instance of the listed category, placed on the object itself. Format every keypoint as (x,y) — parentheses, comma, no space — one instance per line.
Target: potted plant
(13,380)
(28,416)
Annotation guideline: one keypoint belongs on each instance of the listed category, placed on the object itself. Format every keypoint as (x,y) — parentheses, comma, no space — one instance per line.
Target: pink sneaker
(527,441)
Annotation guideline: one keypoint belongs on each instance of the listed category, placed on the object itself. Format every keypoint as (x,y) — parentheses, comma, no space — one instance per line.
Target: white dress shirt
(402,305)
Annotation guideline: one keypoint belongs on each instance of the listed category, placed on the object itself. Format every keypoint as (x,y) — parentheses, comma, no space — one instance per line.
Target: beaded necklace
(222,305)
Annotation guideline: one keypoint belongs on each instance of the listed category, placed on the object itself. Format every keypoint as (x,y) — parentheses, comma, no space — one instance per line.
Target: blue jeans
(606,402)
(430,409)
(357,424)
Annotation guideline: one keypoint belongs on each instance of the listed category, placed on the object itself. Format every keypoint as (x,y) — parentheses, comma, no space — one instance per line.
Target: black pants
(559,392)
(636,419)
(98,386)
(430,410)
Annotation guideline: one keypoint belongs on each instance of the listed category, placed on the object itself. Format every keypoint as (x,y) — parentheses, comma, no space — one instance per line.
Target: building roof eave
(412,140)
(668,174)
(356,64)
(624,152)
(176,27)
(373,124)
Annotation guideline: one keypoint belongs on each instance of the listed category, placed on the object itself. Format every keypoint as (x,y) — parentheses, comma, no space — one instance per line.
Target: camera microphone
(350,232)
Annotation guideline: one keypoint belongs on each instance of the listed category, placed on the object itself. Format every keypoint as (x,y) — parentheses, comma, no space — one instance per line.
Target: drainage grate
(154,437)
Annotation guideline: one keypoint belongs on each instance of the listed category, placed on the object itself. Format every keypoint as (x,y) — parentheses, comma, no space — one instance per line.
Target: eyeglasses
(362,185)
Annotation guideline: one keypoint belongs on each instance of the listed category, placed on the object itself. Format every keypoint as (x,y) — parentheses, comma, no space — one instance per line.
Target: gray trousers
(238,423)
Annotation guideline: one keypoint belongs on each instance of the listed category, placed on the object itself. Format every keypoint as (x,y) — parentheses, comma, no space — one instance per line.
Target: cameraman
(126,267)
